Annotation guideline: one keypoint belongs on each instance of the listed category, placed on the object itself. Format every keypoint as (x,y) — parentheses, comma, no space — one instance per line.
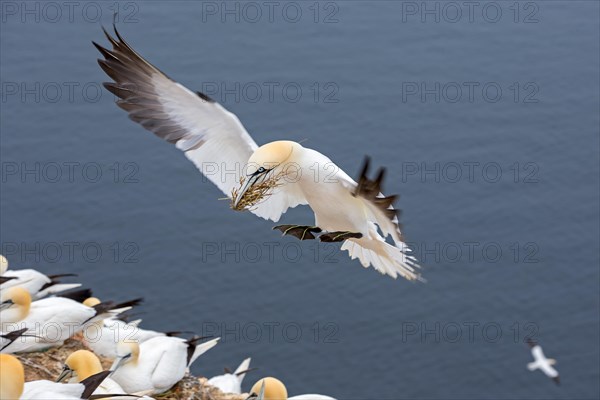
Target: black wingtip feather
(110,38)
(79,295)
(91,383)
(371,189)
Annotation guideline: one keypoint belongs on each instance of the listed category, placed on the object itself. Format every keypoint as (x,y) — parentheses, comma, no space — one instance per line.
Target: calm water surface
(490,132)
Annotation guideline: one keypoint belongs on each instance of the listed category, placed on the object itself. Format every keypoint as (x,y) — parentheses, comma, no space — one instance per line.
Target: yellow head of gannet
(3,264)
(12,377)
(127,352)
(80,365)
(267,162)
(271,155)
(17,299)
(91,301)
(274,389)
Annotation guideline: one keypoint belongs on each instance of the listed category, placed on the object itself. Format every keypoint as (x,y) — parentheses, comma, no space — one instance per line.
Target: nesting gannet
(265,180)
(270,388)
(102,336)
(38,284)
(82,364)
(231,382)
(541,362)
(54,319)
(157,364)
(13,386)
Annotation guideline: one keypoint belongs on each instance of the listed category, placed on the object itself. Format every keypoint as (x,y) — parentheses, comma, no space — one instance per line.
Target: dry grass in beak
(255,193)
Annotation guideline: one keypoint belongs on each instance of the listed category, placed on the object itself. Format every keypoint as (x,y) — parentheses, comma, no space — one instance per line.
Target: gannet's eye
(261,170)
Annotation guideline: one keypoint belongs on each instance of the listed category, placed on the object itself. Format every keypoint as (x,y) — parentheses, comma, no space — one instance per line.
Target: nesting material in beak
(249,194)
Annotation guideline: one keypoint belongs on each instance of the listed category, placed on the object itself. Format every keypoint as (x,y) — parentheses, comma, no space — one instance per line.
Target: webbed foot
(339,236)
(302,232)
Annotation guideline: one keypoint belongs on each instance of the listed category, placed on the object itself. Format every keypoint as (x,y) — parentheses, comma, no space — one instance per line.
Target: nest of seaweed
(255,193)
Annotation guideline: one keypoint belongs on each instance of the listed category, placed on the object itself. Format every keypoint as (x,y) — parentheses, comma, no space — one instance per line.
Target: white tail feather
(383,256)
(244,366)
(57,288)
(203,348)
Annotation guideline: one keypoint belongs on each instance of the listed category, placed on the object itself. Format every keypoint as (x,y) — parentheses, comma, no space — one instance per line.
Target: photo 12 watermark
(454,12)
(254,12)
(272,92)
(89,252)
(427,332)
(322,332)
(71,172)
(54,12)
(470,92)
(50,92)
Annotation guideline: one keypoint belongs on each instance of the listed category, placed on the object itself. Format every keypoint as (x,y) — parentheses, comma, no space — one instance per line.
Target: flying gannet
(13,386)
(231,382)
(541,362)
(270,388)
(53,319)
(154,366)
(265,180)
(38,284)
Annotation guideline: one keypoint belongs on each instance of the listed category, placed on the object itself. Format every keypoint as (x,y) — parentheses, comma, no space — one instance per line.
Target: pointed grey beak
(118,362)
(6,304)
(247,184)
(66,373)
(261,394)
(260,175)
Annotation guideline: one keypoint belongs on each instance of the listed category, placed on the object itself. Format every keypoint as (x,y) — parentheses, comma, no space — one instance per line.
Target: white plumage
(36,283)
(157,364)
(542,363)
(53,320)
(231,382)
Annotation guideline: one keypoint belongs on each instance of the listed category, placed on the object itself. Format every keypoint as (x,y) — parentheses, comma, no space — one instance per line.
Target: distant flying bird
(13,386)
(270,388)
(154,366)
(231,382)
(541,362)
(265,180)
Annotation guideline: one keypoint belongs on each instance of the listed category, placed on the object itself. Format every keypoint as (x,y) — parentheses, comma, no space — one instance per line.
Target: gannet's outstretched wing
(210,136)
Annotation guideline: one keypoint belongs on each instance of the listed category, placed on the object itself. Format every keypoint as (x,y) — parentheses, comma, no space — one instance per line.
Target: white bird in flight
(541,362)
(231,382)
(154,366)
(13,386)
(265,180)
(36,283)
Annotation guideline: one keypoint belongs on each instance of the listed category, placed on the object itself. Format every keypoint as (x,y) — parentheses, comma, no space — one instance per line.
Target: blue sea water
(485,114)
